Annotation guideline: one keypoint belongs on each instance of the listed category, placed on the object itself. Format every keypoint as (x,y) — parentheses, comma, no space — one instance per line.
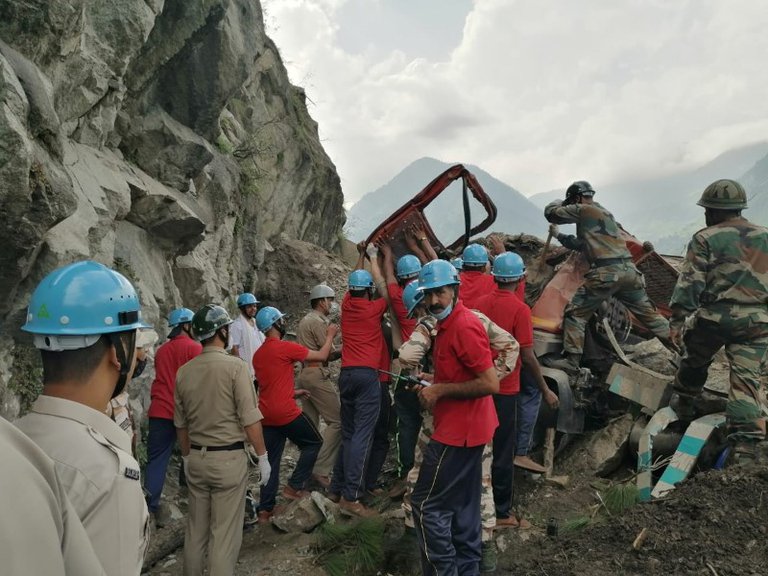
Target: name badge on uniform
(132,473)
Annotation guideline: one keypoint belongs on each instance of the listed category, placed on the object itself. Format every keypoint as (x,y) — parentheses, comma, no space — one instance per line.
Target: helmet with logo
(412,297)
(266,318)
(724,195)
(321,291)
(180,316)
(74,305)
(246,299)
(437,273)
(208,320)
(458,263)
(475,255)
(508,267)
(360,280)
(408,266)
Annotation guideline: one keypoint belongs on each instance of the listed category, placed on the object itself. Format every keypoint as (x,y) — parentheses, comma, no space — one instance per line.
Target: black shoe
(683,406)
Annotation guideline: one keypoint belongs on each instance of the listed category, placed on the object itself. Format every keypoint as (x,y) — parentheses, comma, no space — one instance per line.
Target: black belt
(235,446)
(609,261)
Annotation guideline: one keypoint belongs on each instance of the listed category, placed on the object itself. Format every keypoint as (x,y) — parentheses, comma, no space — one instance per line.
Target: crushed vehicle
(609,383)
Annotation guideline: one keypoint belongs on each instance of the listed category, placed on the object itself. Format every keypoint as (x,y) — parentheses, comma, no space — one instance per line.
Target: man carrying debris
(446,498)
(723,292)
(283,419)
(244,337)
(215,411)
(315,378)
(177,351)
(84,318)
(612,272)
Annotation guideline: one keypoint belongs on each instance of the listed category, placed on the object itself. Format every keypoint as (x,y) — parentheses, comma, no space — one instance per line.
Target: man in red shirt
(446,498)
(283,419)
(177,351)
(359,388)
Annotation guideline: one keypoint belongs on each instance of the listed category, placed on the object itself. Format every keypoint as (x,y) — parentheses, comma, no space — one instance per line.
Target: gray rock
(299,516)
(607,448)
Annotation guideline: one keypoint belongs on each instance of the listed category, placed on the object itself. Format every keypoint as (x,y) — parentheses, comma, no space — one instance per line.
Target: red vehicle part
(393,229)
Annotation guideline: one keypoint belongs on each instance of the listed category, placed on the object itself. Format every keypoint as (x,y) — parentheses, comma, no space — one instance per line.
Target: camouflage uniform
(724,286)
(411,353)
(612,272)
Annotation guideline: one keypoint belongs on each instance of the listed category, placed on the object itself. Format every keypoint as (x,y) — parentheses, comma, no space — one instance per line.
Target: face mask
(444,314)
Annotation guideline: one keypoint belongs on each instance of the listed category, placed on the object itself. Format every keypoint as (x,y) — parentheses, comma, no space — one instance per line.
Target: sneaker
(356,508)
(292,494)
(527,463)
(489,558)
(397,490)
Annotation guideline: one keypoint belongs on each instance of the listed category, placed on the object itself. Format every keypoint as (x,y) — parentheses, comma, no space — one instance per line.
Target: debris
(607,448)
(558,481)
(640,539)
(549,451)
(301,515)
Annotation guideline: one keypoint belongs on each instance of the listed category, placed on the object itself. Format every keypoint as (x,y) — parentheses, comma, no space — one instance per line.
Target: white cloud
(538,92)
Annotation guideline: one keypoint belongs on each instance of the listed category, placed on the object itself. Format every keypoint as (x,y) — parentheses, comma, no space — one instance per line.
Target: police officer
(215,411)
(315,378)
(84,318)
(612,271)
(723,291)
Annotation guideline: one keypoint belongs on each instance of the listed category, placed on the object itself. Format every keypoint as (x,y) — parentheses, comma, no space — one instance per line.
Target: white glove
(265,469)
(553,230)
(185,464)
(372,251)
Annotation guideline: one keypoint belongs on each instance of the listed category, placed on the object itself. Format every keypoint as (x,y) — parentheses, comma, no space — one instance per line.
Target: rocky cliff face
(160,137)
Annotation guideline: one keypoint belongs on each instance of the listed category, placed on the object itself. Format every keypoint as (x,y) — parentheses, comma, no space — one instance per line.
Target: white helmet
(321,291)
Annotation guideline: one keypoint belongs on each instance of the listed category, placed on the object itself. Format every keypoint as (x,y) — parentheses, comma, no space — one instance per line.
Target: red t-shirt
(406,324)
(273,365)
(513,315)
(460,352)
(361,331)
(168,359)
(520,290)
(475,285)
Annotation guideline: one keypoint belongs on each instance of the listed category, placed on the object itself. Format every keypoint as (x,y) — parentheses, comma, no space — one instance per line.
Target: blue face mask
(444,314)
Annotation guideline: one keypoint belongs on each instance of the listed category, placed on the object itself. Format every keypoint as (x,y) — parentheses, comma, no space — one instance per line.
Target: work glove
(372,251)
(185,465)
(264,469)
(553,230)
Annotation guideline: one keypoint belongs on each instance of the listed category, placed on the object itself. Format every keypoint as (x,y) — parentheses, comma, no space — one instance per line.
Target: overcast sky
(537,92)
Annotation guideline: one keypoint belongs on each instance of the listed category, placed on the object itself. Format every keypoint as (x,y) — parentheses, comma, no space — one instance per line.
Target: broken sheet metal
(658,422)
(687,453)
(647,388)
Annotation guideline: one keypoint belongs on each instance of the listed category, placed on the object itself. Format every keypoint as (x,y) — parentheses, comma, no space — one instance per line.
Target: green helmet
(724,195)
(208,320)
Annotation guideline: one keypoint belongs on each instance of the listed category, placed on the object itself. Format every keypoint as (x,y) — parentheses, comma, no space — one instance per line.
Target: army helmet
(208,320)
(579,188)
(724,195)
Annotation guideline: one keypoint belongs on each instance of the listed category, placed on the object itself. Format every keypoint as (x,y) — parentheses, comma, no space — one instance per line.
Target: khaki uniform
(42,533)
(214,401)
(93,460)
(324,399)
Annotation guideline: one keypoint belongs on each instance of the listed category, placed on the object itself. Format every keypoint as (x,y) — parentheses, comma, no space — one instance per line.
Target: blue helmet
(436,274)
(245,299)
(408,266)
(475,255)
(508,267)
(74,305)
(180,316)
(412,297)
(359,280)
(458,263)
(267,317)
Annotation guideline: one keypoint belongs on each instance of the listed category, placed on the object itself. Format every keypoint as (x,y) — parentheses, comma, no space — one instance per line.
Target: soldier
(413,354)
(315,378)
(177,351)
(84,318)
(215,411)
(612,272)
(283,419)
(244,337)
(446,498)
(723,292)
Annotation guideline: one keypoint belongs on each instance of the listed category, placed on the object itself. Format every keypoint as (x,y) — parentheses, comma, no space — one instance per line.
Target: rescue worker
(315,378)
(41,533)
(407,406)
(215,411)
(511,314)
(458,263)
(283,419)
(475,282)
(172,355)
(413,354)
(721,297)
(446,498)
(84,318)
(612,272)
(244,337)
(359,386)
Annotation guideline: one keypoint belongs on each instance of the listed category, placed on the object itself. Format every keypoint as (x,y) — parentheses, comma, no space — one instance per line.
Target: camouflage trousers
(625,283)
(487,508)
(745,339)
